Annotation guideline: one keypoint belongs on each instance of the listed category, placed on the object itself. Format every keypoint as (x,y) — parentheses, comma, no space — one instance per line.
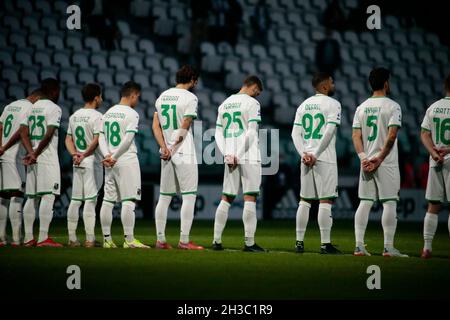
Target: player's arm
(12,141)
(250,137)
(179,139)
(390,141)
(1,133)
(330,131)
(92,147)
(159,136)
(25,137)
(123,146)
(297,136)
(359,148)
(46,140)
(428,143)
(219,138)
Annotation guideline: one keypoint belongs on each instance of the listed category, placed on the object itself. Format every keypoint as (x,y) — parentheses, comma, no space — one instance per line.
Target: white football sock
(389,222)
(361,220)
(221,220)
(161,216)
(45,215)
(29,215)
(187,216)
(72,219)
(15,216)
(325,221)
(429,229)
(127,216)
(89,219)
(448,224)
(4,204)
(250,222)
(302,219)
(106,219)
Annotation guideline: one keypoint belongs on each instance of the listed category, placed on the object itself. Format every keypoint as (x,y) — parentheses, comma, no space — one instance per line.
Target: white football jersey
(312,116)
(116,122)
(44,113)
(84,124)
(13,115)
(437,121)
(234,116)
(172,106)
(374,117)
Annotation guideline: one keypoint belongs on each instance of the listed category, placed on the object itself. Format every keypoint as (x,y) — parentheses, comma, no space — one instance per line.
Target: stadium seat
(24,57)
(290,84)
(48,72)
(60,7)
(43,7)
(128,45)
(266,68)
(112,94)
(231,65)
(248,66)
(160,81)
(74,42)
(92,44)
(147,46)
(18,40)
(276,52)
(170,64)
(122,76)
(30,75)
(148,96)
(153,63)
(12,22)
(294,18)
(135,62)
(80,59)
(242,51)
(293,52)
(49,24)
(259,51)
(367,38)
(86,76)
(116,60)
(55,41)
(98,60)
(67,76)
(10,74)
(37,40)
(16,91)
(30,22)
(224,48)
(104,78)
(61,59)
(233,80)
(140,8)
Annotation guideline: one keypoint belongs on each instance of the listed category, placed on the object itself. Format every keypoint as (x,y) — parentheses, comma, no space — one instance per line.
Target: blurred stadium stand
(34,44)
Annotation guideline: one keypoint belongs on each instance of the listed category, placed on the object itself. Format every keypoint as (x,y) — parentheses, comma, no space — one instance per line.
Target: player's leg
(92,182)
(308,192)
(388,183)
(367,193)
(48,186)
(251,182)
(168,188)
(89,222)
(29,209)
(4,205)
(187,177)
(129,183)
(430,224)
(74,206)
(15,216)
(106,210)
(231,183)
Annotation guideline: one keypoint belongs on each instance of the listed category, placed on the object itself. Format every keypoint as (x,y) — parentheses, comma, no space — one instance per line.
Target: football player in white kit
(436,139)
(12,170)
(375,126)
(237,139)
(314,136)
(43,171)
(176,108)
(82,142)
(122,171)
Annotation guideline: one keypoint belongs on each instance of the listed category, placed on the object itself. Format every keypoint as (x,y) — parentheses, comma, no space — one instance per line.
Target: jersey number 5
(372,123)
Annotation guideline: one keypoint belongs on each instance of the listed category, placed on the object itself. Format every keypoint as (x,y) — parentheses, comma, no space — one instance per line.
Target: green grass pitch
(232,274)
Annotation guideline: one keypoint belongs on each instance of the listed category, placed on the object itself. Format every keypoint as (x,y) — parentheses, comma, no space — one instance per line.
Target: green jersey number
(8,125)
(372,123)
(230,118)
(112,131)
(37,124)
(165,113)
(442,127)
(80,140)
(308,125)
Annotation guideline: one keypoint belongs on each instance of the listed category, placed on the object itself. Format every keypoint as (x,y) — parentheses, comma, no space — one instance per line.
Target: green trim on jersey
(219,125)
(53,125)
(110,201)
(9,190)
(425,129)
(337,124)
(69,134)
(394,125)
(229,194)
(255,120)
(193,116)
(24,125)
(447,98)
(189,192)
(85,199)
(43,193)
(323,198)
(168,193)
(377,97)
(134,131)
(96,133)
(297,124)
(356,127)
(435,201)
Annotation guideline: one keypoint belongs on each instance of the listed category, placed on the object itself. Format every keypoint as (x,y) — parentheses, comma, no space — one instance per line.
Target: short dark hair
(447,83)
(251,80)
(378,77)
(319,77)
(35,92)
(90,91)
(49,86)
(186,74)
(129,88)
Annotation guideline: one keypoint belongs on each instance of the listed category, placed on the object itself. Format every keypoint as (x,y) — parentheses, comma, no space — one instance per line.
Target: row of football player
(376,123)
